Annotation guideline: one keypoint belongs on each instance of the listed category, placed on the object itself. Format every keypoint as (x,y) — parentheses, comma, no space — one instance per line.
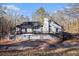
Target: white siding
(54,26)
(38,30)
(46,25)
(17,29)
(23,30)
(34,36)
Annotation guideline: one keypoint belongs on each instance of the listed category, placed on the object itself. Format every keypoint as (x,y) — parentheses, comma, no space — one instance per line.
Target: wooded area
(68,18)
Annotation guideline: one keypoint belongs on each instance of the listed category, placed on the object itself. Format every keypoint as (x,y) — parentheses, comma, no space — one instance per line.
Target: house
(28,27)
(49,26)
(34,30)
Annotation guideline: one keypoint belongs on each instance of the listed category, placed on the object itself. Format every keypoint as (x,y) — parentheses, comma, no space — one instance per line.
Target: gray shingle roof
(29,25)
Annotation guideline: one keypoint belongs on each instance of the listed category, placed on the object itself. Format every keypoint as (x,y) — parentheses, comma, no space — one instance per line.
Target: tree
(68,18)
(5,26)
(9,18)
(73,12)
(39,15)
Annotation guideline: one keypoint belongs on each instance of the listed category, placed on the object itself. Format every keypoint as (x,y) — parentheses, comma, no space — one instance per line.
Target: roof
(56,23)
(29,25)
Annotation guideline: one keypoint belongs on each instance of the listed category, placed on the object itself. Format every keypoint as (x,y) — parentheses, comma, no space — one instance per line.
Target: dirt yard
(46,52)
(39,48)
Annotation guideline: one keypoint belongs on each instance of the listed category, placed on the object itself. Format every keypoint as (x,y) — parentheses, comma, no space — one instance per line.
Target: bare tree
(9,18)
(68,18)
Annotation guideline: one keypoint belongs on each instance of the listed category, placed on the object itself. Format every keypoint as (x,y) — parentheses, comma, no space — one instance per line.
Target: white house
(51,26)
(28,27)
(34,30)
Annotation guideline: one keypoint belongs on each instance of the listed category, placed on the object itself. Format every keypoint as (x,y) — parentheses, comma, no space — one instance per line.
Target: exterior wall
(22,37)
(39,30)
(23,30)
(46,25)
(55,28)
(52,29)
(34,36)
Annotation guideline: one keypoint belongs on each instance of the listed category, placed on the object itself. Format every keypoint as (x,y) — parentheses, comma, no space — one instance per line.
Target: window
(23,30)
(17,29)
(29,30)
(56,29)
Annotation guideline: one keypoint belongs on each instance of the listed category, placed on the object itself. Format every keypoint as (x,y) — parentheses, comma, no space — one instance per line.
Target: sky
(28,9)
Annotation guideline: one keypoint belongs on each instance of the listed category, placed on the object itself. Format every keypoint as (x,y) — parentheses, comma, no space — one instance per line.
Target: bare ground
(60,51)
(46,52)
